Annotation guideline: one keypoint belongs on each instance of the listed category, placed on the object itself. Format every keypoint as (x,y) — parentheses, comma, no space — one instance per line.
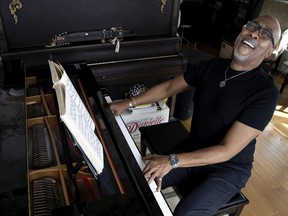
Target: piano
(105,47)
(52,156)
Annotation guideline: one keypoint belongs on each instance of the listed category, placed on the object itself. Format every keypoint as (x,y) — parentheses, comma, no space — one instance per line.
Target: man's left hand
(156,168)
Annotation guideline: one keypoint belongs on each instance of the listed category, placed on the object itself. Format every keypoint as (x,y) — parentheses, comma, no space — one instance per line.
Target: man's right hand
(119,107)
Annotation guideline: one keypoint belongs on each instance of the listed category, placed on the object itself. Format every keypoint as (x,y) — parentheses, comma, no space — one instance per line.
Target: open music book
(76,117)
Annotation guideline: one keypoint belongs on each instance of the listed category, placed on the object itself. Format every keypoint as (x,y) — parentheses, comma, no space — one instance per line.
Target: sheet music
(59,75)
(74,106)
(76,117)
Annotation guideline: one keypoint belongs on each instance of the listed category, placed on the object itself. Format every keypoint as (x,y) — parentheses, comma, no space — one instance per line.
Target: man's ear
(270,52)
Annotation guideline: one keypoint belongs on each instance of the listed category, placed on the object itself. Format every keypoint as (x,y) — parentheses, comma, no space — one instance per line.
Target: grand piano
(104,47)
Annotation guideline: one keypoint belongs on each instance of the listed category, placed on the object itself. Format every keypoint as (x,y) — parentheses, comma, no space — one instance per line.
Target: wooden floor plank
(267,187)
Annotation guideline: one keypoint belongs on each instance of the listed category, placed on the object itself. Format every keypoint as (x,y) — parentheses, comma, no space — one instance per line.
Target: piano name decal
(133,126)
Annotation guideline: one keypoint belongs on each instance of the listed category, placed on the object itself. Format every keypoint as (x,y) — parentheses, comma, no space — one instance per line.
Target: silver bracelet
(130,105)
(134,102)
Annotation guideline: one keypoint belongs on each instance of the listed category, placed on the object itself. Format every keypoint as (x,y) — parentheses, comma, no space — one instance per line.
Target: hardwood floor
(267,188)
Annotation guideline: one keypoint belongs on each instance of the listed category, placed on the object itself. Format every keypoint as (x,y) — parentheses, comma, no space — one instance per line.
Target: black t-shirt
(249,98)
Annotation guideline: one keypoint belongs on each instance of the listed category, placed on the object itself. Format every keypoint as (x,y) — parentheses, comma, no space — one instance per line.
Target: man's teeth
(248,44)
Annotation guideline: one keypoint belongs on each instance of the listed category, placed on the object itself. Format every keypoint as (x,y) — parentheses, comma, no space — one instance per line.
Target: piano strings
(73,151)
(40,148)
(46,196)
(41,102)
(35,110)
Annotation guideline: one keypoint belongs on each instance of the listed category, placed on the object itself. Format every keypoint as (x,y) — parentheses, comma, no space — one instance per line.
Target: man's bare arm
(154,94)
(237,138)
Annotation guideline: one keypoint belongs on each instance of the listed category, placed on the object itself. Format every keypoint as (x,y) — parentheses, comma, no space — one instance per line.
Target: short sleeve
(260,109)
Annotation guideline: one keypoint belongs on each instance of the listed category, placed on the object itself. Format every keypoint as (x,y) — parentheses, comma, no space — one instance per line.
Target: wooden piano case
(103,45)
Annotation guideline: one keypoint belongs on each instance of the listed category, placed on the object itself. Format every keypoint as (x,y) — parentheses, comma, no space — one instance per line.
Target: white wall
(279,9)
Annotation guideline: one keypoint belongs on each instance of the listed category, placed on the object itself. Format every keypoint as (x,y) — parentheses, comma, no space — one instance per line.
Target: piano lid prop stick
(89,187)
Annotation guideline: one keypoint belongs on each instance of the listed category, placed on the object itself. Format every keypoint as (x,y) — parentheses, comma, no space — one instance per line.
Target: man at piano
(234,101)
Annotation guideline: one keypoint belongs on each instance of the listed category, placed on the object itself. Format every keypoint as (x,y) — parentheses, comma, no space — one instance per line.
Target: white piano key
(153,186)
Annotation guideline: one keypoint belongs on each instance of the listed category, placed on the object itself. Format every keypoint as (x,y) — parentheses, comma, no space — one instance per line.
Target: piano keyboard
(158,195)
